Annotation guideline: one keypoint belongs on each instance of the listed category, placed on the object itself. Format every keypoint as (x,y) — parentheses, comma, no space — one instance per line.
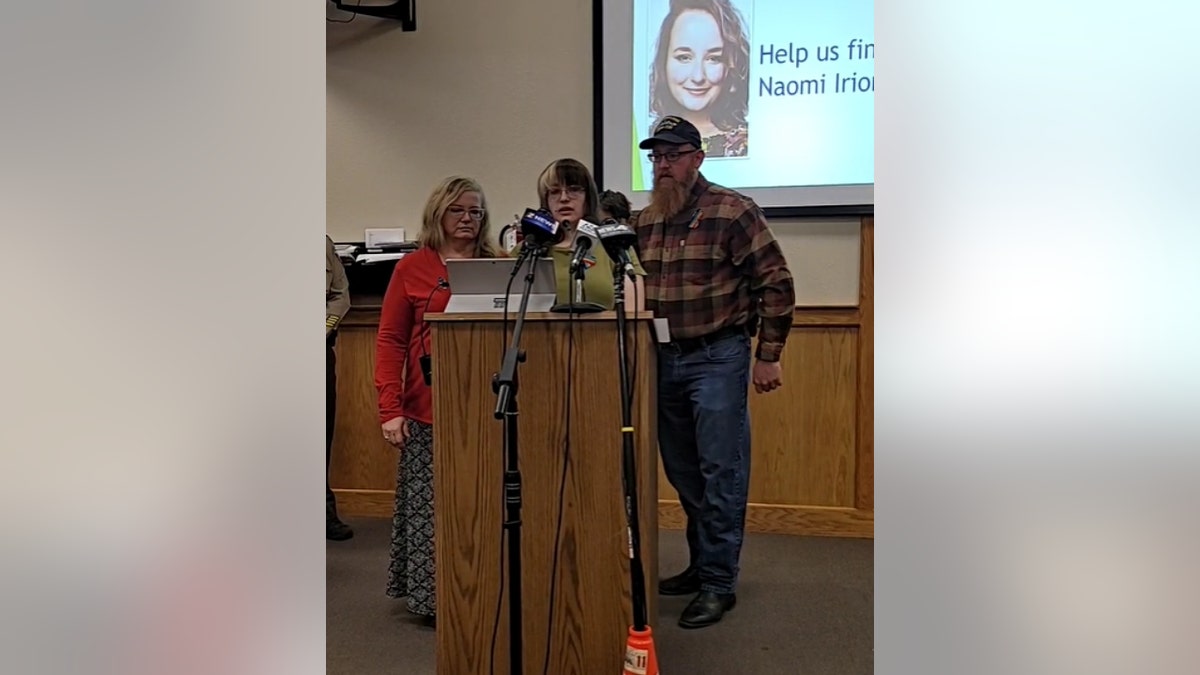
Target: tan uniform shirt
(337,288)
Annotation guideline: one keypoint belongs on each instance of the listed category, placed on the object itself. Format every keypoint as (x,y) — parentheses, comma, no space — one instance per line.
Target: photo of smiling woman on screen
(701,72)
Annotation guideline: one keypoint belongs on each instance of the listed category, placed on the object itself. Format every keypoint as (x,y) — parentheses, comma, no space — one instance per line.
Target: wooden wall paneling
(803,433)
(864,493)
(362,460)
(820,521)
(812,467)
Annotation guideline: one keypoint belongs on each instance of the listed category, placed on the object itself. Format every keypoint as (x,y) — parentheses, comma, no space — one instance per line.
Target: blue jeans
(704,438)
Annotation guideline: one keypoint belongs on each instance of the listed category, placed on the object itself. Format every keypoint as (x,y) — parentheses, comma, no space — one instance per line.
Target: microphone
(540,228)
(585,240)
(425,360)
(617,239)
(539,231)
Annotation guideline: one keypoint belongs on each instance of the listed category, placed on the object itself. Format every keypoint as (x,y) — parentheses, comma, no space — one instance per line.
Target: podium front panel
(575,559)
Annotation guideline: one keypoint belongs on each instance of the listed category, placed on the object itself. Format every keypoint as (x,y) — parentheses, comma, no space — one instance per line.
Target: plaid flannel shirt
(716,265)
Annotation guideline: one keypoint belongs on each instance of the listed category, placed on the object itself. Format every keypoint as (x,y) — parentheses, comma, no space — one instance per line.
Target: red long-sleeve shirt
(403,335)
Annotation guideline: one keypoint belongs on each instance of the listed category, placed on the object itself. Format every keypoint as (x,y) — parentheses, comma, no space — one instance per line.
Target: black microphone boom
(637,575)
(505,385)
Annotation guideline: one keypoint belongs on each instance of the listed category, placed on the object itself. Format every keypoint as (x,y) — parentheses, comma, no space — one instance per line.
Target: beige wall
(823,255)
(471,91)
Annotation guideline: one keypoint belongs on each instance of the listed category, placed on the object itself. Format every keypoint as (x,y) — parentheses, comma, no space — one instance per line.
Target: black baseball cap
(674,130)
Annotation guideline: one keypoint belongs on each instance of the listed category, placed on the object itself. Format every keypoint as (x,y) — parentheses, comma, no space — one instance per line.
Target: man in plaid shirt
(716,273)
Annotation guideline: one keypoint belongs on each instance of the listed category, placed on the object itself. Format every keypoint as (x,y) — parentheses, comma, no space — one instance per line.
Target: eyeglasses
(668,157)
(570,190)
(458,212)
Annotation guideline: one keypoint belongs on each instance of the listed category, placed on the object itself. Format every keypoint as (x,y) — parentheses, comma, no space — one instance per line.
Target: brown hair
(616,205)
(729,111)
(565,173)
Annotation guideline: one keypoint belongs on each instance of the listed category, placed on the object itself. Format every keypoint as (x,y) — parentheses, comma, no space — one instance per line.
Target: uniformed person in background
(337,303)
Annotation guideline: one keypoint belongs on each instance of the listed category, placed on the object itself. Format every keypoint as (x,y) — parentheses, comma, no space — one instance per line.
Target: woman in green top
(566,189)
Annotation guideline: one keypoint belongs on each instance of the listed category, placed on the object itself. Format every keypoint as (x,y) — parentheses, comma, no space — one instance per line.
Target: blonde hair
(445,194)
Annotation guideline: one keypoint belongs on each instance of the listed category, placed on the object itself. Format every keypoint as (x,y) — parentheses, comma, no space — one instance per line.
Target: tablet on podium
(478,285)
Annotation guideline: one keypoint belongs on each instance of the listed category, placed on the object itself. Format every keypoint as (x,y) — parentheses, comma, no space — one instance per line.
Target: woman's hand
(395,431)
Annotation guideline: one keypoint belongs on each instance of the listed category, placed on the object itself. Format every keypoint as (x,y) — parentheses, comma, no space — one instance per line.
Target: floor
(805,605)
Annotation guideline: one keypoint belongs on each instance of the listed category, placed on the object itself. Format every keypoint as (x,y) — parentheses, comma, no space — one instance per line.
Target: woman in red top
(455,225)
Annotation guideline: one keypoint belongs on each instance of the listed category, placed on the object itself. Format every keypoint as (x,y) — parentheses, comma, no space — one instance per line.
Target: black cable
(562,489)
(504,322)
(636,332)
(521,259)
(532,255)
(499,603)
(500,595)
(629,462)
(428,328)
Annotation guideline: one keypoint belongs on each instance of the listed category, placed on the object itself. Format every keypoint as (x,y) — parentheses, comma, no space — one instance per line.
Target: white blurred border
(1036,329)
(162,200)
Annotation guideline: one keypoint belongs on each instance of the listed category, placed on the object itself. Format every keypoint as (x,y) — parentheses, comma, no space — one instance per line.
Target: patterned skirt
(410,574)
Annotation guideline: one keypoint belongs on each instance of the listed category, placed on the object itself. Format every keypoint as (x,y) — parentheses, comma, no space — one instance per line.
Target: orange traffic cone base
(640,656)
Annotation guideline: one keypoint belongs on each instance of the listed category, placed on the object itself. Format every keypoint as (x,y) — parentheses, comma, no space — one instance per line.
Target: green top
(597,280)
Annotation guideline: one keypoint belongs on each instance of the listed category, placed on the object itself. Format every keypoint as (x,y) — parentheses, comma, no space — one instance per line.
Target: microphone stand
(577,274)
(504,384)
(628,459)
(576,302)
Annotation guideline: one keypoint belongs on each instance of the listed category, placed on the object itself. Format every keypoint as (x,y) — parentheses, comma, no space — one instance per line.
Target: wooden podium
(566,358)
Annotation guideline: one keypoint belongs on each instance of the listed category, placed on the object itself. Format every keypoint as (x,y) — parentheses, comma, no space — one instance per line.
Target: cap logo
(675,130)
(668,123)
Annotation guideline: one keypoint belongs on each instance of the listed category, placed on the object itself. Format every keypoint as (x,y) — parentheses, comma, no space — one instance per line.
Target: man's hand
(767,375)
(395,431)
